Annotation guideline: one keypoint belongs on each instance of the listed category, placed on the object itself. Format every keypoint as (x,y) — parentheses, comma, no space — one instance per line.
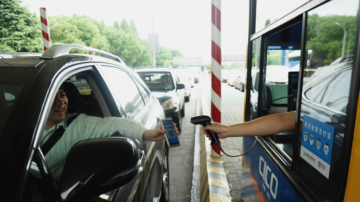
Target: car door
(96,102)
(180,92)
(134,100)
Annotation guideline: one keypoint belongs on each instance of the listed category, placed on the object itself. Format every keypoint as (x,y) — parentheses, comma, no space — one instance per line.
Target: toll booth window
(254,81)
(326,87)
(280,81)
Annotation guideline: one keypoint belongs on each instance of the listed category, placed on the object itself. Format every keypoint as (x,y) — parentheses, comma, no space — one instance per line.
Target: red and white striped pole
(216,67)
(45,28)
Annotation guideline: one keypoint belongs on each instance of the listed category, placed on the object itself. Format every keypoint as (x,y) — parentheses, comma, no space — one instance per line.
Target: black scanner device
(204,121)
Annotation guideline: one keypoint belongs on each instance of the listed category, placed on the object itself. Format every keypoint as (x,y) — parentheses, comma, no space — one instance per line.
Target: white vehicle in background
(187,80)
(240,81)
(232,76)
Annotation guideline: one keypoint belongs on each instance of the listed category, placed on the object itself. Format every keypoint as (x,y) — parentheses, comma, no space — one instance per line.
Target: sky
(184,25)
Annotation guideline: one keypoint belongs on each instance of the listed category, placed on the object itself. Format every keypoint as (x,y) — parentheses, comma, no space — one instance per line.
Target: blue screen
(170,131)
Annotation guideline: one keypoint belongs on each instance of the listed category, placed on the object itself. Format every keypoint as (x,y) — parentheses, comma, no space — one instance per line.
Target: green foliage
(274,57)
(325,38)
(64,32)
(163,56)
(125,26)
(175,53)
(19,29)
(133,27)
(6,48)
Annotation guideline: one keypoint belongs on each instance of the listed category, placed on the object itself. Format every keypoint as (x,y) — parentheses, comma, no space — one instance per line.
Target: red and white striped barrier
(45,28)
(216,67)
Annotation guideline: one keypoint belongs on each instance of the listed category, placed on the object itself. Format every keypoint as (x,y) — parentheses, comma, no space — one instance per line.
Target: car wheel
(166,176)
(242,88)
(187,98)
(183,109)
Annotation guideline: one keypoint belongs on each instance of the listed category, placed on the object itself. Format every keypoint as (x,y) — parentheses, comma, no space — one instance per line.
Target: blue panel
(316,144)
(272,184)
(283,57)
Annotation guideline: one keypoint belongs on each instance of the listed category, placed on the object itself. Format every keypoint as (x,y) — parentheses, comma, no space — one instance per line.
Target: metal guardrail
(64,49)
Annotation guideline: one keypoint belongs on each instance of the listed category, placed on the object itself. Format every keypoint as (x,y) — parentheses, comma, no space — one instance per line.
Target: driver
(87,127)
(165,82)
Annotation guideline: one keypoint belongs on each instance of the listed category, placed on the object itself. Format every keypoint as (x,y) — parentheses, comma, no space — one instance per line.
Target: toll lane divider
(200,185)
(214,185)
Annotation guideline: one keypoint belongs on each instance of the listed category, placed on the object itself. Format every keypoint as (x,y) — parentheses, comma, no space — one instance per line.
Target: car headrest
(75,101)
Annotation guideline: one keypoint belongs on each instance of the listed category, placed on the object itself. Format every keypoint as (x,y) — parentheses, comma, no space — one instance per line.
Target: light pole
(344,39)
(56,24)
(153,40)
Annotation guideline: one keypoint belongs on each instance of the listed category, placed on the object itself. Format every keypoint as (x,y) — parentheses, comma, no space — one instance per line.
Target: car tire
(242,88)
(183,109)
(187,98)
(165,190)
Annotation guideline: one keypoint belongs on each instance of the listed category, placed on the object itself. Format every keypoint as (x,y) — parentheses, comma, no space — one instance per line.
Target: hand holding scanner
(204,121)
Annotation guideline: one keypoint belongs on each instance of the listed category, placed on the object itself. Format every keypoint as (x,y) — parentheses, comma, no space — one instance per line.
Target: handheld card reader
(206,120)
(171,137)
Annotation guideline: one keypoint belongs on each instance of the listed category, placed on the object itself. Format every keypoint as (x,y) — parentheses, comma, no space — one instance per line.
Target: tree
(325,37)
(116,25)
(133,27)
(163,56)
(175,53)
(6,48)
(125,26)
(64,32)
(19,29)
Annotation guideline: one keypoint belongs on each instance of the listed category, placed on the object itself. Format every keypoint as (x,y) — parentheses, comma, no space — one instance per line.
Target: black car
(108,169)
(166,87)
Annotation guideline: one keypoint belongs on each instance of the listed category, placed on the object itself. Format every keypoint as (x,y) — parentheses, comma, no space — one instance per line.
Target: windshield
(9,94)
(157,80)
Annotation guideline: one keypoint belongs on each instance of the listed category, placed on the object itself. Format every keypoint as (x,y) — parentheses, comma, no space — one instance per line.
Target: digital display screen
(170,132)
(292,89)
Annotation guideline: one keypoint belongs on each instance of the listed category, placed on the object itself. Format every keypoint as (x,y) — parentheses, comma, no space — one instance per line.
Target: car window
(125,89)
(157,80)
(9,94)
(145,94)
(82,99)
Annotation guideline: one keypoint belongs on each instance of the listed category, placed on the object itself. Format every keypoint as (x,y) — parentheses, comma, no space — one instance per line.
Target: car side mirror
(180,86)
(96,166)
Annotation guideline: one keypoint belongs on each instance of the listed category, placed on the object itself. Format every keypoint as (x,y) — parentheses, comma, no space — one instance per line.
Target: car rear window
(9,94)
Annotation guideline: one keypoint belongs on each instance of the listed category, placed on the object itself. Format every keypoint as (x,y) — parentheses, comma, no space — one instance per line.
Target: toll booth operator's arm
(266,125)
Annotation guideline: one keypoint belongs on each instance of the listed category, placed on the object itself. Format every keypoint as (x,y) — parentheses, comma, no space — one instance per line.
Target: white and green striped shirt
(86,127)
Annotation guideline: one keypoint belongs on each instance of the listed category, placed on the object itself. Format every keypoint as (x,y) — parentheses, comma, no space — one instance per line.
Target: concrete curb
(208,170)
(199,191)
(218,184)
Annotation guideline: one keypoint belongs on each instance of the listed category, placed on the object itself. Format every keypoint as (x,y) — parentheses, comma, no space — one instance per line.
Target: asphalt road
(181,158)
